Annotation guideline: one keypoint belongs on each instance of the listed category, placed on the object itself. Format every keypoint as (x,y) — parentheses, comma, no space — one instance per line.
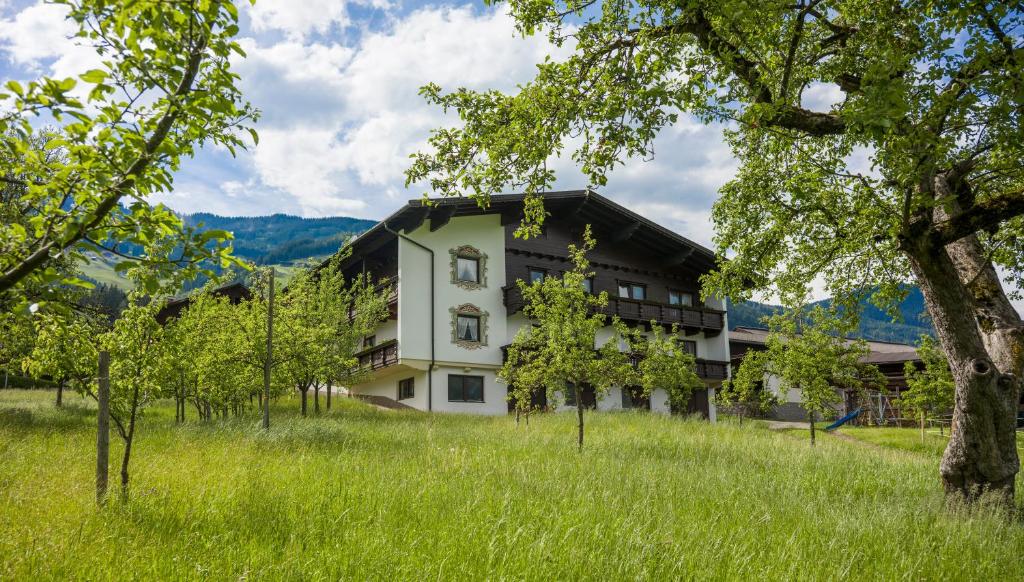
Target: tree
(165,86)
(745,391)
(135,347)
(561,349)
(351,311)
(65,350)
(323,319)
(927,95)
(929,390)
(808,351)
(663,362)
(16,340)
(197,362)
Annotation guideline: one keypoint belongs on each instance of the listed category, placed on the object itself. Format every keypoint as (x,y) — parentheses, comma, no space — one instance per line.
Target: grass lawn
(366,494)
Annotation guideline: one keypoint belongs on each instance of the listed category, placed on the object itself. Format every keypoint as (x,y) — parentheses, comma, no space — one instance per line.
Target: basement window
(406,388)
(465,388)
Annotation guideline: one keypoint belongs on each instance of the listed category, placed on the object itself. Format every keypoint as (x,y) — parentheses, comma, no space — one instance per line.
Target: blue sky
(337,84)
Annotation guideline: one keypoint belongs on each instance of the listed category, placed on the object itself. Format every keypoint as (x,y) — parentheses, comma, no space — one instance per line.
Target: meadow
(358,493)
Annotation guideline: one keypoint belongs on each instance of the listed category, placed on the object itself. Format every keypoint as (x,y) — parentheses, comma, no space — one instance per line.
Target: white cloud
(822,97)
(37,33)
(298,18)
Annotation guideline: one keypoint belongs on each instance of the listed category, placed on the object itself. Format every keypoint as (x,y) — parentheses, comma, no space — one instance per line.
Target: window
(680,298)
(465,388)
(406,388)
(588,285)
(570,394)
(633,397)
(537,275)
(690,347)
(632,291)
(468,269)
(369,341)
(468,328)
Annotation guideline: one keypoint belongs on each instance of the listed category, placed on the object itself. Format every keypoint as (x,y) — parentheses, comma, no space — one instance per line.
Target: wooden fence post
(103,427)
(270,352)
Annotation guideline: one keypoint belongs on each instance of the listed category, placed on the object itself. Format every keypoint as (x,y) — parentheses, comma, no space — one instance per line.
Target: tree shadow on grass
(71,416)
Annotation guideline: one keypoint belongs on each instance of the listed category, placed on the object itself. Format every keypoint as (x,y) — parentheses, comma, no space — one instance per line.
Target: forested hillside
(875,324)
(281,238)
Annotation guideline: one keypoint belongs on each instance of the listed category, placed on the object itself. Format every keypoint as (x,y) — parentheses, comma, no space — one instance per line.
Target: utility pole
(270,352)
(103,427)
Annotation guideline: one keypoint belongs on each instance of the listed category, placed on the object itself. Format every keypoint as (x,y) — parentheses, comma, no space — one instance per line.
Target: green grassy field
(366,494)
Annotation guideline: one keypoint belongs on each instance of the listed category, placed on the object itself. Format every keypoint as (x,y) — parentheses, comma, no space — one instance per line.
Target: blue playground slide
(844,420)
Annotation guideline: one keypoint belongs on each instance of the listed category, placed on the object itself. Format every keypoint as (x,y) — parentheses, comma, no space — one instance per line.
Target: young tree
(135,352)
(196,360)
(928,92)
(561,349)
(65,350)
(164,87)
(323,319)
(930,390)
(745,392)
(663,362)
(808,351)
(16,340)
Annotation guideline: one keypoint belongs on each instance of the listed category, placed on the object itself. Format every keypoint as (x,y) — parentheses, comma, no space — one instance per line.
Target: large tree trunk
(316,398)
(981,336)
(328,395)
(304,390)
(60,393)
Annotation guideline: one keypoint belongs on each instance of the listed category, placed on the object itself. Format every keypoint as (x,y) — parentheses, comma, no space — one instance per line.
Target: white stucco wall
(482,232)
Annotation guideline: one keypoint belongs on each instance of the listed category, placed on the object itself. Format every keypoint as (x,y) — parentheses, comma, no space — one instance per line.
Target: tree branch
(122,187)
(982,216)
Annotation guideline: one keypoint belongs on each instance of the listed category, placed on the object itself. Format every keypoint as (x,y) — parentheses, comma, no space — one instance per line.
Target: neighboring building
(235,292)
(889,357)
(456,304)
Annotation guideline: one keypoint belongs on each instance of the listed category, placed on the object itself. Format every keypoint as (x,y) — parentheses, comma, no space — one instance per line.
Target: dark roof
(881,352)
(235,292)
(584,206)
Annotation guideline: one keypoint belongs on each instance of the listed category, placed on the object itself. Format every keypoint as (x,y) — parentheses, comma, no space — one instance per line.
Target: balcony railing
(379,356)
(710,321)
(705,369)
(392,290)
(712,370)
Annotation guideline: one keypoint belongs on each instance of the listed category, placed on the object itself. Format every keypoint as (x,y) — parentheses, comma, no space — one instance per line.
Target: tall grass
(366,494)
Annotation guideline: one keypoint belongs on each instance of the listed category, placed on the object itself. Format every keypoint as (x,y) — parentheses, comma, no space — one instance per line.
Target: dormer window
(537,275)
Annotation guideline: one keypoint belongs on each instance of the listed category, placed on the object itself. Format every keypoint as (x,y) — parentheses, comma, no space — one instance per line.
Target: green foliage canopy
(165,87)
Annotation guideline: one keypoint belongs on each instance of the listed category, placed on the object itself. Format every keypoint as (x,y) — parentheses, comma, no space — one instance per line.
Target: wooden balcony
(712,369)
(391,287)
(379,356)
(689,319)
(705,369)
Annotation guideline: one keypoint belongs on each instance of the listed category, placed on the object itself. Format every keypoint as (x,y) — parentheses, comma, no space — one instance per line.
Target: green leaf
(94,76)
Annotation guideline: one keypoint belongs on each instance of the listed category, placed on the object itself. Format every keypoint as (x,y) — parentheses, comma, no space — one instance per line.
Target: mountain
(282,238)
(875,324)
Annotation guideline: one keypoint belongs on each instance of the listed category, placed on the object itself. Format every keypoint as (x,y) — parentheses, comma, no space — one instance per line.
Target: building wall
(482,232)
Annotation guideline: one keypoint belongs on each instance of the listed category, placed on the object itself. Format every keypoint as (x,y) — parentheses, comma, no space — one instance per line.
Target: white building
(456,304)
